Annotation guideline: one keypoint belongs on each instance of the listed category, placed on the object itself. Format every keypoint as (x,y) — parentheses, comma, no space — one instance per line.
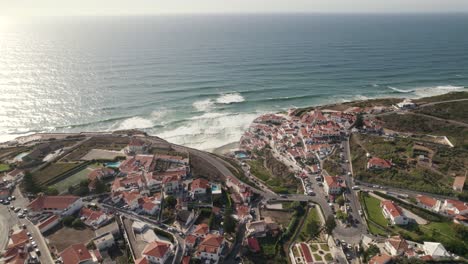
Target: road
(180,242)
(10,219)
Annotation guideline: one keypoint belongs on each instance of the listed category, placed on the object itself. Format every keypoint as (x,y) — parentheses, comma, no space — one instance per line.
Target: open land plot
(332,164)
(281,217)
(443,97)
(406,171)
(107,143)
(65,237)
(52,171)
(103,154)
(286,184)
(452,111)
(417,124)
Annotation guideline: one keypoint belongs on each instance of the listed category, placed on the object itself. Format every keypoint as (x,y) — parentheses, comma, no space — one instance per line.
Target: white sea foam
(210,130)
(203,105)
(399,90)
(438,90)
(230,98)
(135,122)
(159,114)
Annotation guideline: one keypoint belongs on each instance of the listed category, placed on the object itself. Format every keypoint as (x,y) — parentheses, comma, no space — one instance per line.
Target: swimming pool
(113,165)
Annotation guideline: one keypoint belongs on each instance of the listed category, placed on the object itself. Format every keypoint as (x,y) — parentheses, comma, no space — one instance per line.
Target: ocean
(200,80)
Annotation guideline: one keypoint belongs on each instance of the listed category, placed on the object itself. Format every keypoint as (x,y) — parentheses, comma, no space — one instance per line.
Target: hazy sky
(131,7)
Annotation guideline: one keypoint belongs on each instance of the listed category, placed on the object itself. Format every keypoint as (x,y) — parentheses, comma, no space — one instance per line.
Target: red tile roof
(48,221)
(75,254)
(142,260)
(99,173)
(156,249)
(191,239)
(19,238)
(378,162)
(306,253)
(199,183)
(426,200)
(380,259)
(211,244)
(201,229)
(56,202)
(253,244)
(392,208)
(398,243)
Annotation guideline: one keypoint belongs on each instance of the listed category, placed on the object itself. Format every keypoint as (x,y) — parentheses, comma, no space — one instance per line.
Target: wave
(230,98)
(135,122)
(438,90)
(210,130)
(399,90)
(203,105)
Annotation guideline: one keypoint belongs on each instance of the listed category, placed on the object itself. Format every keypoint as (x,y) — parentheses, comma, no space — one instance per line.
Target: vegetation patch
(453,111)
(53,171)
(407,172)
(4,167)
(443,97)
(311,226)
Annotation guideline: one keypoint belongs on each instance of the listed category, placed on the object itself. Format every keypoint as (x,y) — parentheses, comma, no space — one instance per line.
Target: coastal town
(304,186)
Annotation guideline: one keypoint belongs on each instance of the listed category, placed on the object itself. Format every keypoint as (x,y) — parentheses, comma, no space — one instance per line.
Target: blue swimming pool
(113,165)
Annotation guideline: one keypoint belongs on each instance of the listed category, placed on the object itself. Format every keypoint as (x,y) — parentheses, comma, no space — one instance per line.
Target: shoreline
(29,137)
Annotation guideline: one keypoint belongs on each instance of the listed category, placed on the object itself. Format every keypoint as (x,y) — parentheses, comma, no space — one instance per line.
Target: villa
(394,213)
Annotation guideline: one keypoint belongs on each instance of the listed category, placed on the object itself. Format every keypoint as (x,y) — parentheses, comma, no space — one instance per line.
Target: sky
(147,7)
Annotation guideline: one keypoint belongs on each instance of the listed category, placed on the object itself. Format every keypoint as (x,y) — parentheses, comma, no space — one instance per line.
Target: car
(31,238)
(9,198)
(6,202)
(13,197)
(360,212)
(283,196)
(17,209)
(29,234)
(337,242)
(1,201)
(24,226)
(350,246)
(20,215)
(38,252)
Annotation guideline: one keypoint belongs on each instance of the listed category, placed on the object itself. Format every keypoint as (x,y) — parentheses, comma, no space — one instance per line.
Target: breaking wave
(399,90)
(208,104)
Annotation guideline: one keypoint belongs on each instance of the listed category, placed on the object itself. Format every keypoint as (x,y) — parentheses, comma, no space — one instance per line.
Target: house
(393,212)
(171,182)
(396,246)
(155,253)
(380,259)
(78,254)
(454,207)
(48,224)
(60,205)
(461,220)
(253,244)
(243,213)
(190,241)
(428,203)
(131,199)
(201,230)
(459,183)
(93,218)
(18,238)
(104,242)
(256,228)
(435,250)
(211,248)
(100,173)
(138,163)
(137,145)
(378,164)
(333,185)
(150,205)
(406,104)
(199,186)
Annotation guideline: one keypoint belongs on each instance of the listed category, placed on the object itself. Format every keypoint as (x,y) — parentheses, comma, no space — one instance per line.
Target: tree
(359,121)
(68,220)
(330,224)
(30,184)
(170,201)
(229,224)
(340,200)
(77,223)
(51,191)
(100,187)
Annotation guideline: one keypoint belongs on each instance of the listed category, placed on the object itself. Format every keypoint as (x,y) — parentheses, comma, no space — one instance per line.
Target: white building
(435,250)
(155,253)
(104,242)
(393,213)
(211,248)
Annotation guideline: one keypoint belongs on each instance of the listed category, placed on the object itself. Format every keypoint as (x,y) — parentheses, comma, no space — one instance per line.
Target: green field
(311,225)
(52,171)
(4,167)
(75,179)
(443,97)
(374,211)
